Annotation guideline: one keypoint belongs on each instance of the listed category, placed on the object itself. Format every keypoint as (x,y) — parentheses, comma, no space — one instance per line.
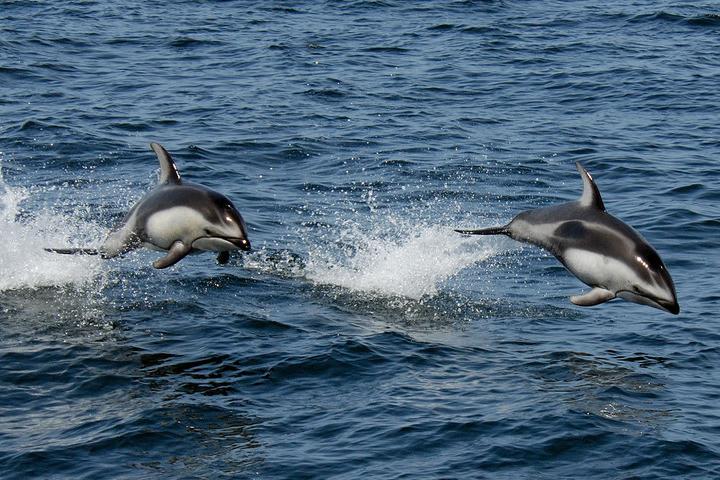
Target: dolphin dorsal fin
(591,194)
(168,170)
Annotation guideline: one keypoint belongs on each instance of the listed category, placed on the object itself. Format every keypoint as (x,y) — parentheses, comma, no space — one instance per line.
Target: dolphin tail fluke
(486,231)
(74,251)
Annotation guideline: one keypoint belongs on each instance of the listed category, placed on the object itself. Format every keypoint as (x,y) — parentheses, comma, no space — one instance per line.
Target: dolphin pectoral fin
(177,252)
(223,258)
(595,296)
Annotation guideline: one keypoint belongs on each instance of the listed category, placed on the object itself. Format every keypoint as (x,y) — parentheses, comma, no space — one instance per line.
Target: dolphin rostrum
(600,250)
(177,217)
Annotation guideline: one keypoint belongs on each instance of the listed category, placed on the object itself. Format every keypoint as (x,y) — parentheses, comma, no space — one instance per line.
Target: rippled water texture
(361,338)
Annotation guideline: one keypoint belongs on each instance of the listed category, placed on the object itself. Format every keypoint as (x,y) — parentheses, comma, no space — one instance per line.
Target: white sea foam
(24,263)
(410,262)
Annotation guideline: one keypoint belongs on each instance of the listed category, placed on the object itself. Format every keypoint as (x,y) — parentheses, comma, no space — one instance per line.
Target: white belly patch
(177,223)
(599,270)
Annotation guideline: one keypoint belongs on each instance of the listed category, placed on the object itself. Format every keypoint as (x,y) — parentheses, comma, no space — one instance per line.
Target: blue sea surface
(362,337)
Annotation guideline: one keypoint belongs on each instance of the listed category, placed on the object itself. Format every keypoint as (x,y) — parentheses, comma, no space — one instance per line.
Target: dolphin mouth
(221,244)
(671,306)
(241,243)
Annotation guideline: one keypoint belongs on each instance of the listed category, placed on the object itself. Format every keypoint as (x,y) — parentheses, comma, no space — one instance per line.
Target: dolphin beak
(241,243)
(672,306)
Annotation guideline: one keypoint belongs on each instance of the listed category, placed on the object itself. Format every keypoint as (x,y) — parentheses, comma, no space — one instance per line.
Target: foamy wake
(24,263)
(413,262)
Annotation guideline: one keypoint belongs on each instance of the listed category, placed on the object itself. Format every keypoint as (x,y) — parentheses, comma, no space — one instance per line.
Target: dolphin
(177,217)
(600,250)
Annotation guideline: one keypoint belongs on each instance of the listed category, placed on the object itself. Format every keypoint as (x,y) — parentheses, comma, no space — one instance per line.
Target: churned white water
(410,262)
(23,261)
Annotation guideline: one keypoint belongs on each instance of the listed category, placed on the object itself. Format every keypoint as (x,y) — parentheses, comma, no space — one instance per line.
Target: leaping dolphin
(600,250)
(177,217)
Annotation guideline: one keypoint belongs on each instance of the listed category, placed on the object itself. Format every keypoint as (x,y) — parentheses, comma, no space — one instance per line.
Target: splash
(24,263)
(411,262)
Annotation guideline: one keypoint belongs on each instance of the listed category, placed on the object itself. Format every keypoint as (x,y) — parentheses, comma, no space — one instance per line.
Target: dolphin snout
(669,300)
(671,306)
(241,243)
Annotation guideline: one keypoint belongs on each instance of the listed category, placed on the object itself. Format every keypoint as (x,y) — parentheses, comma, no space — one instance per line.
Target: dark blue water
(362,338)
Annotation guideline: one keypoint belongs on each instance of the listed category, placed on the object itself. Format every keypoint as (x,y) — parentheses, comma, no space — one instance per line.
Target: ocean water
(361,338)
